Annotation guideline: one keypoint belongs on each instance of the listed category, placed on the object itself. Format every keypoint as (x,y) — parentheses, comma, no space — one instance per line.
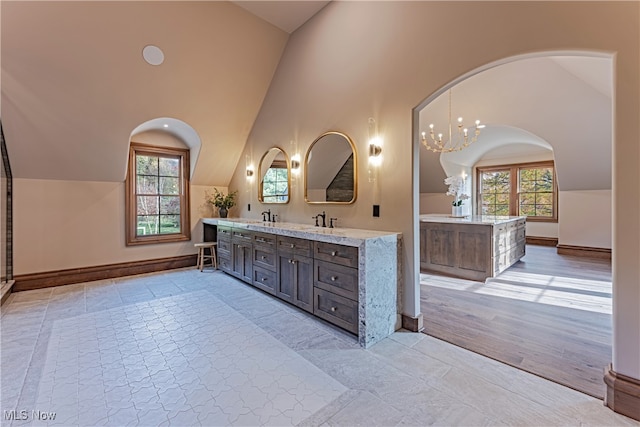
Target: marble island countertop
(469,219)
(344,236)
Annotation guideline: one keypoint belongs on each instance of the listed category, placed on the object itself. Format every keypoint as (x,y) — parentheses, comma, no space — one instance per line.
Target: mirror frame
(355,170)
(288,161)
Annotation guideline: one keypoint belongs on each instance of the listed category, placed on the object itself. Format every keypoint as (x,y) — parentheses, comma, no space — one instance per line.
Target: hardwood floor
(549,314)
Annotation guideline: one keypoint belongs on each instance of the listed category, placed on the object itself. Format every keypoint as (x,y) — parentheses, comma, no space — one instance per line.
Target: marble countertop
(343,236)
(469,219)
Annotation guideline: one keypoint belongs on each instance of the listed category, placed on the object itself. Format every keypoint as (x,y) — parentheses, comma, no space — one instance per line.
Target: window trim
(514,197)
(131,237)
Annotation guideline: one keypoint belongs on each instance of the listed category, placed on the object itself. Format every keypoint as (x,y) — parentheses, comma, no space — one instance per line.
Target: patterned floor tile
(185,348)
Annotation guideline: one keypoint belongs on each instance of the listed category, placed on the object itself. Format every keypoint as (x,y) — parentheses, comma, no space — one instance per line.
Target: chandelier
(456,142)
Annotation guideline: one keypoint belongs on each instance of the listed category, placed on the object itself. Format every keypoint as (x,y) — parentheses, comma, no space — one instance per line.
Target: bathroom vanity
(348,277)
(474,247)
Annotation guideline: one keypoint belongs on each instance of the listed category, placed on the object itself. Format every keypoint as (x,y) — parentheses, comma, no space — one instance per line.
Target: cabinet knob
(293,246)
(334,278)
(334,308)
(263,257)
(264,279)
(334,253)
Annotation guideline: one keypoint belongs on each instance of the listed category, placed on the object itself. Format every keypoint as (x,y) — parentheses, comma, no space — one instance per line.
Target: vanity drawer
(224,247)
(264,279)
(294,245)
(224,262)
(264,257)
(240,235)
(339,254)
(335,278)
(224,232)
(265,240)
(335,309)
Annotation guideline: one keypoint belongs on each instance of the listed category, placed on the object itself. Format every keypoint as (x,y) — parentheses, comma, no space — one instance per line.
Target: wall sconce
(375,150)
(295,164)
(249,168)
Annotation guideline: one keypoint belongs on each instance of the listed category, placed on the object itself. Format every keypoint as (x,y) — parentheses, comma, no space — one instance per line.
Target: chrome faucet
(323,215)
(268,215)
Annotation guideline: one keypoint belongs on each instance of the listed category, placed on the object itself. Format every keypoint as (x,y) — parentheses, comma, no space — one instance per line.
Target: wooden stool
(202,256)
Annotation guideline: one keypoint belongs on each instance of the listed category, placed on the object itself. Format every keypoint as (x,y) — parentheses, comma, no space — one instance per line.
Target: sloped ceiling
(286,15)
(75,85)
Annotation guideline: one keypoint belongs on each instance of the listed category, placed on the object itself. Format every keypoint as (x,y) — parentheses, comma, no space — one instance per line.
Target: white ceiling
(286,15)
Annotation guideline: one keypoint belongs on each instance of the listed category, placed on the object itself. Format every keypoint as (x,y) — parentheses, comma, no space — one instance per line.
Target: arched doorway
(564,100)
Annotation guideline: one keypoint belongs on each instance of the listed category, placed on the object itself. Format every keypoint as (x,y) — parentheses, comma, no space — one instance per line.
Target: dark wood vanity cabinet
(295,272)
(265,262)
(318,277)
(242,256)
(335,280)
(224,248)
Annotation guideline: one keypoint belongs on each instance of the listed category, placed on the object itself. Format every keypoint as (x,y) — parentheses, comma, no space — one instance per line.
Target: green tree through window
(519,189)
(495,192)
(275,185)
(536,191)
(157,195)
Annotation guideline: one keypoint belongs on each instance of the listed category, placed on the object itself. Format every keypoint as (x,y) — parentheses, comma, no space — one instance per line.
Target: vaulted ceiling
(75,86)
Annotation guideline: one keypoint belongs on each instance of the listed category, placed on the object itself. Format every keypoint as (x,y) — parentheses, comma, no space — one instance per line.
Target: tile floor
(190,348)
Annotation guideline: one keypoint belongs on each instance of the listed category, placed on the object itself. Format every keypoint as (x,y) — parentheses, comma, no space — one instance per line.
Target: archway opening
(551,105)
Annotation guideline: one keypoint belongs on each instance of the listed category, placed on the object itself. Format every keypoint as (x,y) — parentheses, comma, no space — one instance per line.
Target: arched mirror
(274,177)
(330,173)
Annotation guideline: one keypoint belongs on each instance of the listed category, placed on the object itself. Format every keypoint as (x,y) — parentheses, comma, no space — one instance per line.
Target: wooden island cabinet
(473,247)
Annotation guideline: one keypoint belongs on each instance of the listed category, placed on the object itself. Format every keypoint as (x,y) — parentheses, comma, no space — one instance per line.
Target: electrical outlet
(376,210)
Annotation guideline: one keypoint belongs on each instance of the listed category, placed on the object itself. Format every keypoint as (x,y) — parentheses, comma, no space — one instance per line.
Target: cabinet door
(295,280)
(285,275)
(242,262)
(303,283)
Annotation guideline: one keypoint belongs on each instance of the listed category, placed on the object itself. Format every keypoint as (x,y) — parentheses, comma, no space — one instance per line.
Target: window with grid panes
(157,195)
(275,184)
(519,189)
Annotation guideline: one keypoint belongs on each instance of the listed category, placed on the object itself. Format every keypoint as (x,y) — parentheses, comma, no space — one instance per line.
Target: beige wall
(585,218)
(70,224)
(330,80)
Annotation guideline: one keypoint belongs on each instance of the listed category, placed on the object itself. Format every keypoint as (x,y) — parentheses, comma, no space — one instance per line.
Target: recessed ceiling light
(153,55)
(165,125)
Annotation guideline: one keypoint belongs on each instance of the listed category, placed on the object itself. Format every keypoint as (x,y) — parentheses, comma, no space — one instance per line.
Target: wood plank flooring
(548,314)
